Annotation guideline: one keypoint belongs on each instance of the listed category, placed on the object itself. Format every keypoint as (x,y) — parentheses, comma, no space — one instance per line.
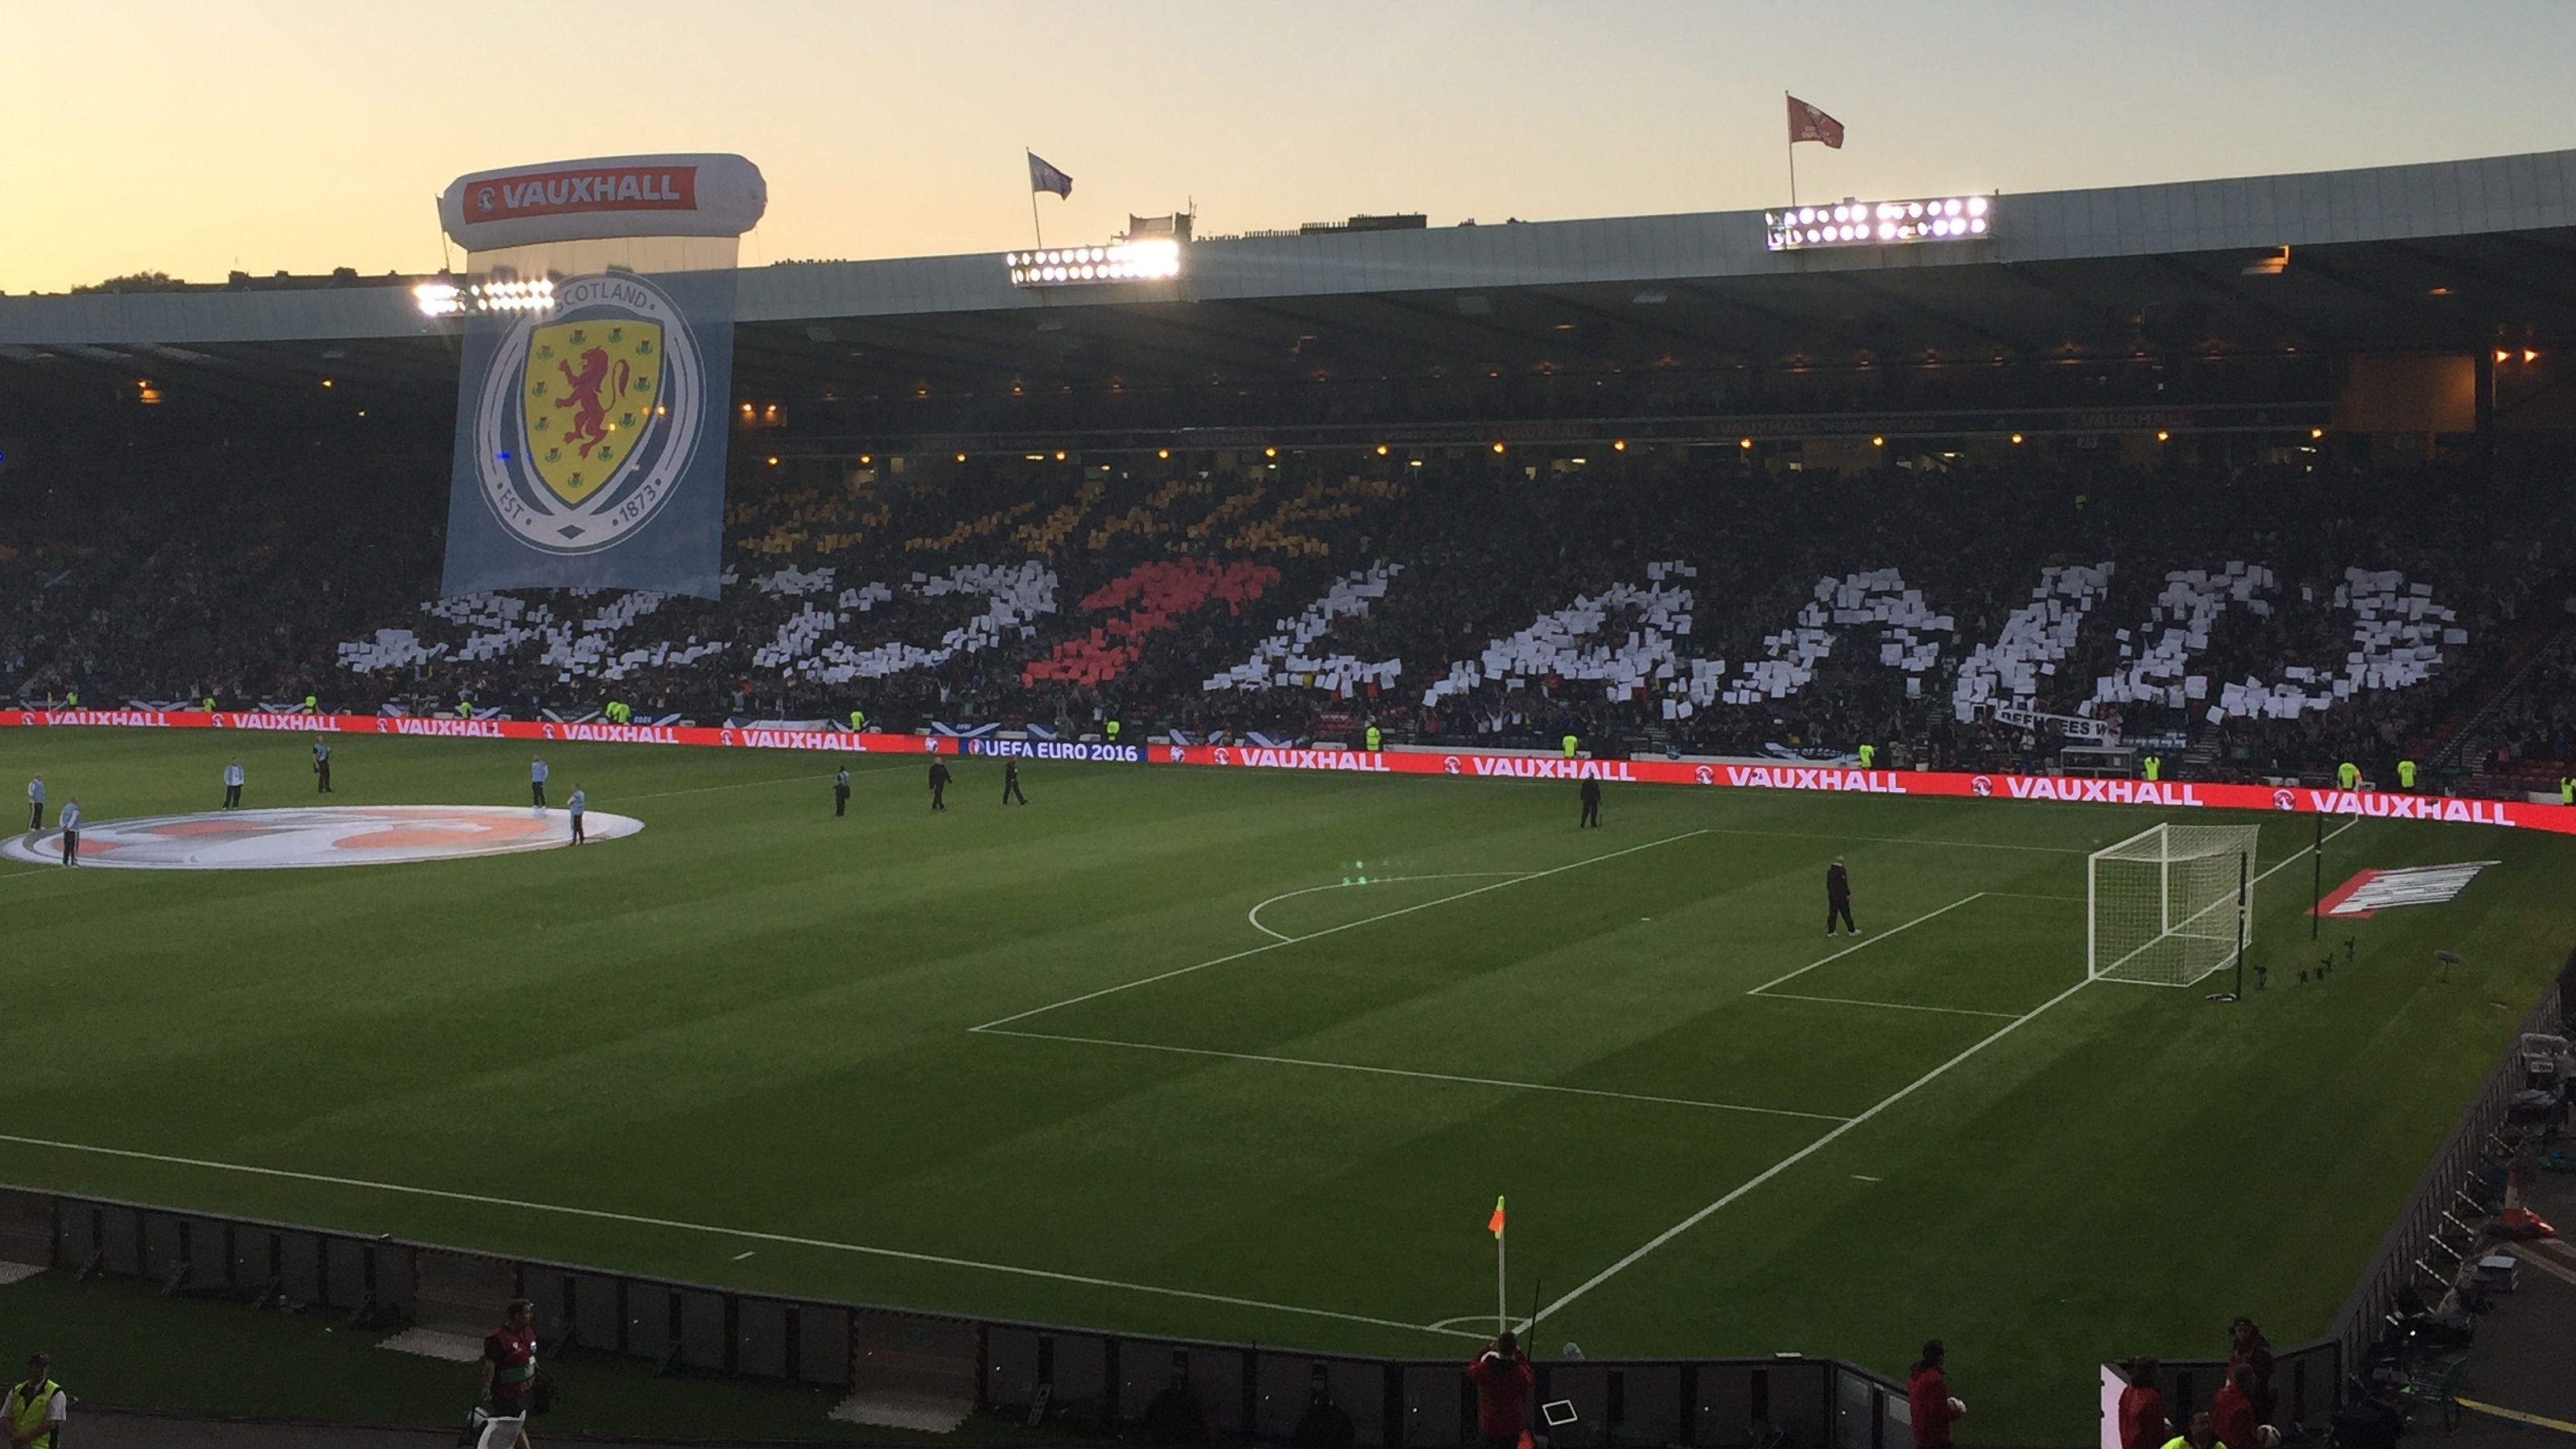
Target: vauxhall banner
(590,439)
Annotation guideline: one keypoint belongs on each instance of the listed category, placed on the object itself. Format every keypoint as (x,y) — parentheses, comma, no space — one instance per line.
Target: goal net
(2165,906)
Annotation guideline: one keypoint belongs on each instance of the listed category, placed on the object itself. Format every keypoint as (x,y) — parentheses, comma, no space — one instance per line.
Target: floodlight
(1947,218)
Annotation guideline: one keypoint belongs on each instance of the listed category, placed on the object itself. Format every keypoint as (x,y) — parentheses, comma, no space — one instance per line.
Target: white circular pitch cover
(315,835)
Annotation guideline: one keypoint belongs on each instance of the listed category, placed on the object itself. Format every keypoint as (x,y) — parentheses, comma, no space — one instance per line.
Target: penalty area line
(1883,1005)
(1803,1153)
(1150,1046)
(1327,931)
(739,1234)
(1821,1143)
(1872,941)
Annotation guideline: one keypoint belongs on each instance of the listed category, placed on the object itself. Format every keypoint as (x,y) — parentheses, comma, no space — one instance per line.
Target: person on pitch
(841,792)
(1502,1376)
(1838,897)
(35,803)
(938,783)
(233,781)
(69,824)
(537,782)
(1011,783)
(576,803)
(1590,794)
(1927,1395)
(321,766)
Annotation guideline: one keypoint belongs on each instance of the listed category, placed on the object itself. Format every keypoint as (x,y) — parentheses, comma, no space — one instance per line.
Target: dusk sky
(196,139)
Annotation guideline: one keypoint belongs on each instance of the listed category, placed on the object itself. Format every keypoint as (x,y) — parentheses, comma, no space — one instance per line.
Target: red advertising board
(2167,794)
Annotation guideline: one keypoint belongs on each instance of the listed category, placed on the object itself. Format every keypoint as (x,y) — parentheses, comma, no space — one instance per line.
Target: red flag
(1806,123)
(1494,1224)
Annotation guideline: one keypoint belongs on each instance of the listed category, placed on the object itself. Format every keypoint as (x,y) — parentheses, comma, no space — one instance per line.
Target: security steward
(2405,774)
(1376,739)
(35,1410)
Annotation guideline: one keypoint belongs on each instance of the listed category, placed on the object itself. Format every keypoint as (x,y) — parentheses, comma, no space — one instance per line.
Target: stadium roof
(2439,256)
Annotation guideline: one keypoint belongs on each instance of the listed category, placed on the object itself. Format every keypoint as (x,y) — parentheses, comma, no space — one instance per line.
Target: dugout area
(1048,1066)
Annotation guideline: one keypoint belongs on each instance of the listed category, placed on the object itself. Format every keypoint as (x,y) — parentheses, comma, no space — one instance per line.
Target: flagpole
(1793,156)
(1034,224)
(1502,1310)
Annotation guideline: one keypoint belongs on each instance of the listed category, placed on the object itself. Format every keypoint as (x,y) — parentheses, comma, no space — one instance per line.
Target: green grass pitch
(1229,1095)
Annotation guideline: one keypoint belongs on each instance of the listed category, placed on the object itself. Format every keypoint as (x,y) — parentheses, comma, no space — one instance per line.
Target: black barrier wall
(1073,1376)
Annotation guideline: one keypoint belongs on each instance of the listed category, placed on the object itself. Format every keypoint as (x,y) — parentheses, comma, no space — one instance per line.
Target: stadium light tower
(1882,223)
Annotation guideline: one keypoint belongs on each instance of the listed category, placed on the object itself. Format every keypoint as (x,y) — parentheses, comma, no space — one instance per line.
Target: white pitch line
(740,1234)
(1149,1046)
(1253,916)
(1883,1005)
(1803,1153)
(1327,931)
(1872,941)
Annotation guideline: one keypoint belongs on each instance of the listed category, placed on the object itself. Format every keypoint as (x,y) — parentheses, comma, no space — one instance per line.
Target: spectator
(2231,1409)
(1175,1416)
(1927,1397)
(2143,1424)
(2249,1350)
(1502,1376)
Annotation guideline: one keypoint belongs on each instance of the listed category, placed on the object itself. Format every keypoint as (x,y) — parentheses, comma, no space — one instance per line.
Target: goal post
(2169,905)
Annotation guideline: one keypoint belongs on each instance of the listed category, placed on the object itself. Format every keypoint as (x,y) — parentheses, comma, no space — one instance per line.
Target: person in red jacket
(2231,1410)
(1502,1376)
(2143,1424)
(1927,1397)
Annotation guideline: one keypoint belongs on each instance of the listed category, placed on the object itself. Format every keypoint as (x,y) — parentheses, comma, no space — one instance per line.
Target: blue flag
(1043,177)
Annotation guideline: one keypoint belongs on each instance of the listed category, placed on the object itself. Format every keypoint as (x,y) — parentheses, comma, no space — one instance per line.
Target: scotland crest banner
(590,438)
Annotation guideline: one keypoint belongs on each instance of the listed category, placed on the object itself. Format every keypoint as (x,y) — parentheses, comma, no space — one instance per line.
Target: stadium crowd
(2255,620)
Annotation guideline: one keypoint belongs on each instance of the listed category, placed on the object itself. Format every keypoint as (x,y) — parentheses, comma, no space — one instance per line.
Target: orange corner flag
(1494,1224)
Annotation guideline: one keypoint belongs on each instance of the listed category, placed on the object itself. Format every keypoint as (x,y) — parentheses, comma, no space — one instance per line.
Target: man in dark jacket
(938,784)
(1502,1376)
(1838,897)
(1591,796)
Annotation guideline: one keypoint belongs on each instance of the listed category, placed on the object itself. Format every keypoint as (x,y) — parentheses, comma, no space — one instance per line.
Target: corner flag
(1494,1224)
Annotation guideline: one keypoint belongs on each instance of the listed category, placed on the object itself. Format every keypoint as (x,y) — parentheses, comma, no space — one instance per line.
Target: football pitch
(1247,1055)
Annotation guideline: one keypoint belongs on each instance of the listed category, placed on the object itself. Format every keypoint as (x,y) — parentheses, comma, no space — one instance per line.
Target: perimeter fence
(906,1362)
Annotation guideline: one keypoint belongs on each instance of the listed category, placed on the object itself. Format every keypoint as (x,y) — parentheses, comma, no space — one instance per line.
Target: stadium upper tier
(2452,256)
